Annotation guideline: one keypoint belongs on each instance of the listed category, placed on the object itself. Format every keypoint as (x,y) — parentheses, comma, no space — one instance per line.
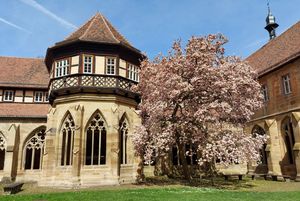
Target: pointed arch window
(257,130)
(190,151)
(67,131)
(34,150)
(123,141)
(95,153)
(289,139)
(2,151)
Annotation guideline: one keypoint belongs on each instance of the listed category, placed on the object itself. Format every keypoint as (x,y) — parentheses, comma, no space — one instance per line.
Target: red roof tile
(278,51)
(23,110)
(23,72)
(97,29)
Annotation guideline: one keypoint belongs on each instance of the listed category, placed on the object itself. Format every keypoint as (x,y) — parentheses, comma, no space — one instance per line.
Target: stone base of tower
(95,160)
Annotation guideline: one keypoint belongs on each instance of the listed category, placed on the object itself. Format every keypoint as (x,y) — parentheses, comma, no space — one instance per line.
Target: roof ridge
(14,57)
(86,31)
(91,18)
(109,29)
(270,42)
(123,37)
(278,51)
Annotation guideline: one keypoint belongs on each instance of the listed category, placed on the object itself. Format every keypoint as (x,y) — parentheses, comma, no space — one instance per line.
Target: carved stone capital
(296,116)
(269,122)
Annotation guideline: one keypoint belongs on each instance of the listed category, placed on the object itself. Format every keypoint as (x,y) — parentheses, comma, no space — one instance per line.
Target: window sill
(90,167)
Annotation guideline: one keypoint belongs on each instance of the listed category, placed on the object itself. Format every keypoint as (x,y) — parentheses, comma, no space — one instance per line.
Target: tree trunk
(185,168)
(212,172)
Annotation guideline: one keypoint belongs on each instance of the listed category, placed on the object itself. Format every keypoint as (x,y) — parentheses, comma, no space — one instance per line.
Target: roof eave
(278,65)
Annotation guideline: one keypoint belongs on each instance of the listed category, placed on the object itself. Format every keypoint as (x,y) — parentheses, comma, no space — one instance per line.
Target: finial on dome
(271,23)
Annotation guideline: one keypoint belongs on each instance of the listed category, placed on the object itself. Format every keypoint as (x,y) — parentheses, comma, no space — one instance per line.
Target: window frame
(63,68)
(36,146)
(108,66)
(286,84)
(3,144)
(91,63)
(46,99)
(12,96)
(35,95)
(90,139)
(265,92)
(133,72)
(67,135)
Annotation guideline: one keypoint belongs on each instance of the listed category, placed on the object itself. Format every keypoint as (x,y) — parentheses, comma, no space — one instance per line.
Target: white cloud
(14,25)
(44,10)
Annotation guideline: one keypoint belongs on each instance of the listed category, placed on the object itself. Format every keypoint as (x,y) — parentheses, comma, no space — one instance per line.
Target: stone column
(77,148)
(49,161)
(7,171)
(296,147)
(113,143)
(11,155)
(273,149)
(138,165)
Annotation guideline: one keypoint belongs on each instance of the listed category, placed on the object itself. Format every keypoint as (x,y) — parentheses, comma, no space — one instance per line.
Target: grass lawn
(237,191)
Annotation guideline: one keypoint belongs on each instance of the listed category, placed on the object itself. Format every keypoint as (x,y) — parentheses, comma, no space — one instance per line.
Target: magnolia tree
(198,96)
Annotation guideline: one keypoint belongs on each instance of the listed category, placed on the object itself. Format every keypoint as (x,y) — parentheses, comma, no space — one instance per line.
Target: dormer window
(87,64)
(111,66)
(133,72)
(61,68)
(8,96)
(38,96)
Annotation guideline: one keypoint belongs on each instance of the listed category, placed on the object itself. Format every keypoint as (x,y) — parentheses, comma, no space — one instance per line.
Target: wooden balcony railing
(92,80)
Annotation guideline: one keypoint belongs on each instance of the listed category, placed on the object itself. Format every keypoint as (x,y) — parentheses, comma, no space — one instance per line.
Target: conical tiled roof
(98,29)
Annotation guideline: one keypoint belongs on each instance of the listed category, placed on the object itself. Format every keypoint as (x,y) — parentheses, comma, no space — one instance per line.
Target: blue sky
(28,27)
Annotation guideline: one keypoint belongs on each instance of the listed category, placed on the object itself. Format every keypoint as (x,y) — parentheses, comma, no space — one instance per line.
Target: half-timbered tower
(92,115)
(70,123)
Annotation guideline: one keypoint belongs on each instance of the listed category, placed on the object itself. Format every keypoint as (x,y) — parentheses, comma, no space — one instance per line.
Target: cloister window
(61,68)
(265,92)
(257,130)
(123,141)
(175,156)
(87,64)
(133,72)
(110,66)
(34,151)
(2,151)
(95,153)
(289,139)
(68,130)
(38,96)
(190,155)
(8,95)
(286,84)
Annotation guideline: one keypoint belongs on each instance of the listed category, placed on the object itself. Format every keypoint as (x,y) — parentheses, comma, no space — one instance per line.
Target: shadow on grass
(219,182)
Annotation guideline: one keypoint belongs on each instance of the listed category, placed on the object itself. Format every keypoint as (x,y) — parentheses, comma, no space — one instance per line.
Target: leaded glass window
(95,153)
(67,144)
(34,150)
